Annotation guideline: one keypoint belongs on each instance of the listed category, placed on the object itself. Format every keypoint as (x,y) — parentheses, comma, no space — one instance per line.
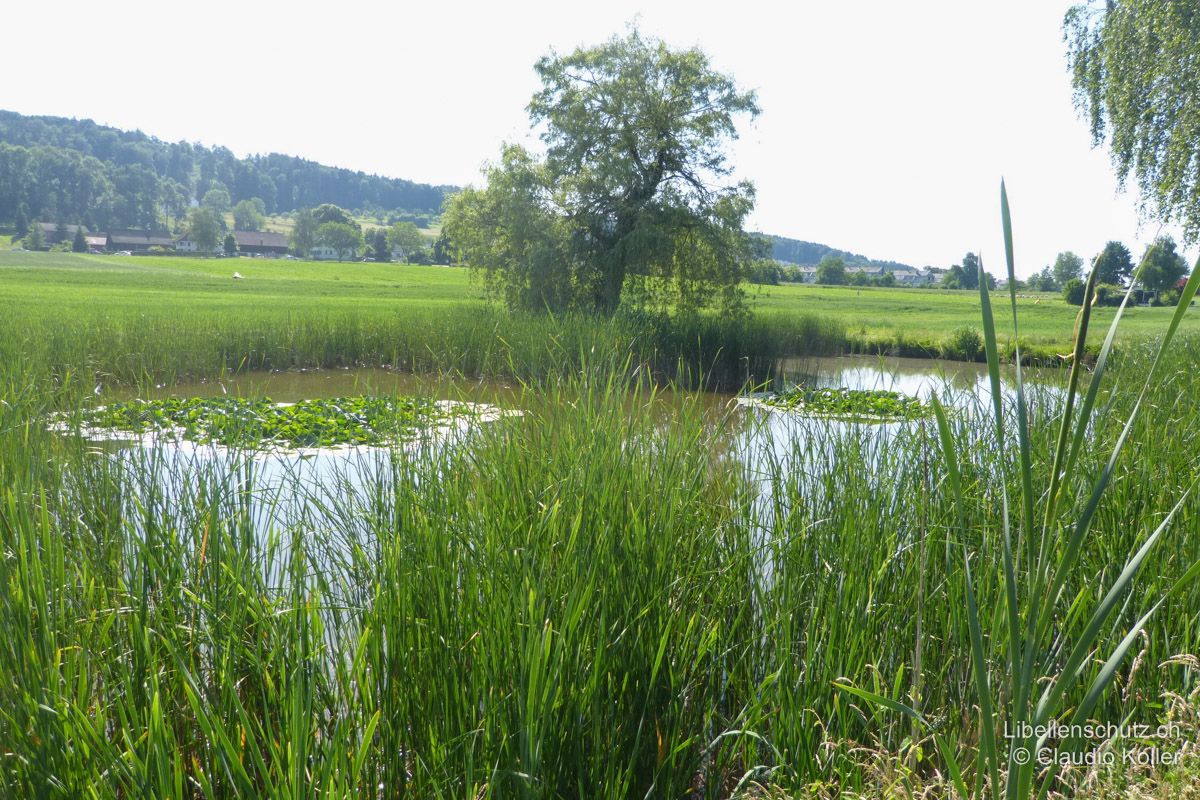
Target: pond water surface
(288,485)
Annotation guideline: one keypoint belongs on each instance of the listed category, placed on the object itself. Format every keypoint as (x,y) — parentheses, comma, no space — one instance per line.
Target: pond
(296,489)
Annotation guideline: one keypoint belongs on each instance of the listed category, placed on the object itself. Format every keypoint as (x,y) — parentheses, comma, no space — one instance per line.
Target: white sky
(886,126)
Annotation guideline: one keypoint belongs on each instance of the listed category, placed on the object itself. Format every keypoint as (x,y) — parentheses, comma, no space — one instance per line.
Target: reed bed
(181,344)
(597,599)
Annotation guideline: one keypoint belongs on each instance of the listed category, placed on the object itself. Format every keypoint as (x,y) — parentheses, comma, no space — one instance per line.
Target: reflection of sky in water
(911,376)
(332,489)
(810,457)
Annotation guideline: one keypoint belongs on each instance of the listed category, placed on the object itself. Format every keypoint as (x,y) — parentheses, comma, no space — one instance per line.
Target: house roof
(51,229)
(146,238)
(260,239)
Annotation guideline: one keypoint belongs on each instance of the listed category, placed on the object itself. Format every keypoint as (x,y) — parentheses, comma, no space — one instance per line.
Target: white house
(323,252)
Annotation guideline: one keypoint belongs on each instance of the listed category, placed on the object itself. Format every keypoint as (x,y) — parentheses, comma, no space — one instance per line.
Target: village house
(323,252)
(870,272)
(138,241)
(53,233)
(267,244)
(806,274)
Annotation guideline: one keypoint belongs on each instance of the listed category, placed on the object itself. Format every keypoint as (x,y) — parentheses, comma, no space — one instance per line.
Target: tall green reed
(1047,638)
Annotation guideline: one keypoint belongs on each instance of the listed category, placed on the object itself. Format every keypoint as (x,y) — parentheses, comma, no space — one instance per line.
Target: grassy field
(878,316)
(908,321)
(121,284)
(157,319)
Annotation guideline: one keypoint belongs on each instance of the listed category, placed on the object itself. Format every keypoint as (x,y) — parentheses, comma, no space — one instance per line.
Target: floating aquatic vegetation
(247,423)
(863,404)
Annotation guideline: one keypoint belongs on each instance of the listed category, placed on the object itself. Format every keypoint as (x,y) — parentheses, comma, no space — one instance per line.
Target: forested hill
(795,251)
(69,170)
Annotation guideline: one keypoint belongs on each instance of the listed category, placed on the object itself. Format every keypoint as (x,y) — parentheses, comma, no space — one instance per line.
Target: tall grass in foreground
(1046,643)
(599,599)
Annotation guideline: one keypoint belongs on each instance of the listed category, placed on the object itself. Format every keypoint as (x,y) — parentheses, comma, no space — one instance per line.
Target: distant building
(908,277)
(261,243)
(138,241)
(324,252)
(96,242)
(185,245)
(53,234)
(932,276)
(806,274)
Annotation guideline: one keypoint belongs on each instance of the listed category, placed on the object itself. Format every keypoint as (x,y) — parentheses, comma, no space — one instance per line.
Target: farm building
(261,243)
(139,241)
(53,233)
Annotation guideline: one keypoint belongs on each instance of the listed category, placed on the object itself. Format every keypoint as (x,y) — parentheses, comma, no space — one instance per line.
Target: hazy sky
(886,126)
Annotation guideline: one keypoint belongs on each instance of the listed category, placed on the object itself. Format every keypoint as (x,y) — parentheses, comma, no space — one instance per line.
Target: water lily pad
(244,422)
(865,404)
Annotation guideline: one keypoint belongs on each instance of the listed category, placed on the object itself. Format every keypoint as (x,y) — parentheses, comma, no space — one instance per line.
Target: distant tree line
(76,171)
(1158,273)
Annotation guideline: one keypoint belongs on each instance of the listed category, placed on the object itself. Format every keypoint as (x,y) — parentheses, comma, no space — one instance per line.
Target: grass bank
(168,318)
(125,320)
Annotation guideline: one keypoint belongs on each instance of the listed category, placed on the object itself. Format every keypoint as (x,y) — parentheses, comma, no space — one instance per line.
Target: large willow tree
(1136,70)
(634,184)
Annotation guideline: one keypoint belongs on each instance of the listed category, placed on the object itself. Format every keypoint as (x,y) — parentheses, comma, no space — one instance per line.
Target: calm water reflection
(299,489)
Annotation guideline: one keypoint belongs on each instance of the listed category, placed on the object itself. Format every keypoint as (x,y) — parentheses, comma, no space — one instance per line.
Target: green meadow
(275,300)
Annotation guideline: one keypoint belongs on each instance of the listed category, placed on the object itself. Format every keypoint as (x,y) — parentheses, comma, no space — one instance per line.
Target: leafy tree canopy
(379,245)
(327,212)
(344,238)
(831,271)
(248,215)
(406,237)
(35,239)
(1067,265)
(1135,67)
(634,184)
(1114,264)
(204,228)
(1044,281)
(304,231)
(1162,266)
(217,199)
